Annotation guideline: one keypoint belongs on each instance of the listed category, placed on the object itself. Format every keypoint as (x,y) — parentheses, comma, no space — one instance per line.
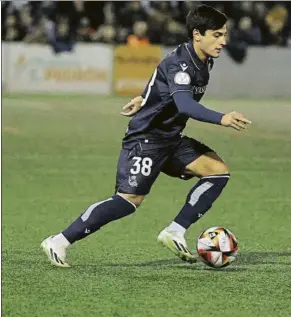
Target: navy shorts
(141,161)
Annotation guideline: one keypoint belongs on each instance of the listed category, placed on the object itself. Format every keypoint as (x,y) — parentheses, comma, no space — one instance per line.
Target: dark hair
(204,18)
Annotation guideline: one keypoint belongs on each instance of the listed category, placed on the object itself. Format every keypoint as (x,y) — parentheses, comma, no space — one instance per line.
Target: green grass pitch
(59,154)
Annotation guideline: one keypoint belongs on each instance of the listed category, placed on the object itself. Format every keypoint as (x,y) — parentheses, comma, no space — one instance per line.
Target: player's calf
(214,175)
(98,215)
(94,217)
(200,199)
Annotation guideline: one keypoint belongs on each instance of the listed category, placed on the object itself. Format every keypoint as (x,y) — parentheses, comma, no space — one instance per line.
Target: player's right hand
(235,120)
(132,107)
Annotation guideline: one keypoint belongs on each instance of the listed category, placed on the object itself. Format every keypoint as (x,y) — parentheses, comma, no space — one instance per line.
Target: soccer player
(154,143)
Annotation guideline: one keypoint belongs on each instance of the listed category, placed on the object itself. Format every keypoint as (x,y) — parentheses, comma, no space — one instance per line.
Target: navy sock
(200,199)
(98,215)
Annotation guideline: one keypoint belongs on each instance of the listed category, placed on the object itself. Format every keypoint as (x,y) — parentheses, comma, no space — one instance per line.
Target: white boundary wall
(35,68)
(266,72)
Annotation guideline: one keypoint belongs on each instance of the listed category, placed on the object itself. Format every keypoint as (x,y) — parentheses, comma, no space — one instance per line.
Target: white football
(217,247)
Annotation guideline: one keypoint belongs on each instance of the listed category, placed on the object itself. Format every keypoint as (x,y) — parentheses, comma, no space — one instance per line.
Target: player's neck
(199,52)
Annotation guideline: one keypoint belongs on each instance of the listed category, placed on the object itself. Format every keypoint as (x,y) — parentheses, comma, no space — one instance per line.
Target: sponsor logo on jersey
(199,90)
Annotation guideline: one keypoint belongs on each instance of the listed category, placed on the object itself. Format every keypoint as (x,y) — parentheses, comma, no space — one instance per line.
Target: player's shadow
(243,262)
(179,265)
(245,258)
(261,258)
(172,263)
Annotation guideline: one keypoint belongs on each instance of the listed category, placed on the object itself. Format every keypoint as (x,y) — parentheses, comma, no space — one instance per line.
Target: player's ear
(196,35)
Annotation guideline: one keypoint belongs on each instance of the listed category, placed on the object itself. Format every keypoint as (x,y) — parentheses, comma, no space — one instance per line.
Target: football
(217,247)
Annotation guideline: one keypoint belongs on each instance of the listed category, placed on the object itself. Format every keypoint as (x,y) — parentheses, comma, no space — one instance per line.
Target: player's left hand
(132,107)
(235,120)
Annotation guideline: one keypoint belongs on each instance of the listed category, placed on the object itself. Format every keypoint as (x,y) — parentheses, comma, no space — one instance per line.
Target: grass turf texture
(59,156)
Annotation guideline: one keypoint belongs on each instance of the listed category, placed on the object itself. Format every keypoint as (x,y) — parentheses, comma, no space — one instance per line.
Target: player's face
(213,41)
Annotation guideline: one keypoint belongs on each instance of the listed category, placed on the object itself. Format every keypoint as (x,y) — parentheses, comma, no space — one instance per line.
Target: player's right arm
(132,107)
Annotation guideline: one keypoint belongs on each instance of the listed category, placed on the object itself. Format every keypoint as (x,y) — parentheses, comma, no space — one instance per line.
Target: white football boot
(176,242)
(56,254)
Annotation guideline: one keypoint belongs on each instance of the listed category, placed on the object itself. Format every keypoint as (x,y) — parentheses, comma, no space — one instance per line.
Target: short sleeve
(178,77)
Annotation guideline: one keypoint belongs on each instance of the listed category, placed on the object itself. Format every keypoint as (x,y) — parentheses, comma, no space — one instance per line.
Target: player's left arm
(188,106)
(181,90)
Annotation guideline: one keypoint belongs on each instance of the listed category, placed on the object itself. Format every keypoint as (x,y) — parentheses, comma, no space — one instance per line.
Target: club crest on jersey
(132,181)
(182,78)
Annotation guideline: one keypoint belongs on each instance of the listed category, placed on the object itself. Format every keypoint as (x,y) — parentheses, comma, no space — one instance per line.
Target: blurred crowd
(63,23)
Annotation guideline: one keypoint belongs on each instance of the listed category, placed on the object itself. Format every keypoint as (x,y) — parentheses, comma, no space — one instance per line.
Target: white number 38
(142,165)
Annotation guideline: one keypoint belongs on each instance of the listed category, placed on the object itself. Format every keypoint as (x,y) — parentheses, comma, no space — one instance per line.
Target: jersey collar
(194,57)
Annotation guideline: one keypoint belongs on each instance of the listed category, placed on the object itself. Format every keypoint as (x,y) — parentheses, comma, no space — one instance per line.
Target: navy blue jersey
(181,70)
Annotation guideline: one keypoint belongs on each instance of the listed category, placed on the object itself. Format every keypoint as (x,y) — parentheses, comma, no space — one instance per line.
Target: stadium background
(67,69)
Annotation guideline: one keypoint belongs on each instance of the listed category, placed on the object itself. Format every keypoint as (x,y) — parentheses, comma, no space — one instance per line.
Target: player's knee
(216,165)
(207,165)
(134,199)
(219,168)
